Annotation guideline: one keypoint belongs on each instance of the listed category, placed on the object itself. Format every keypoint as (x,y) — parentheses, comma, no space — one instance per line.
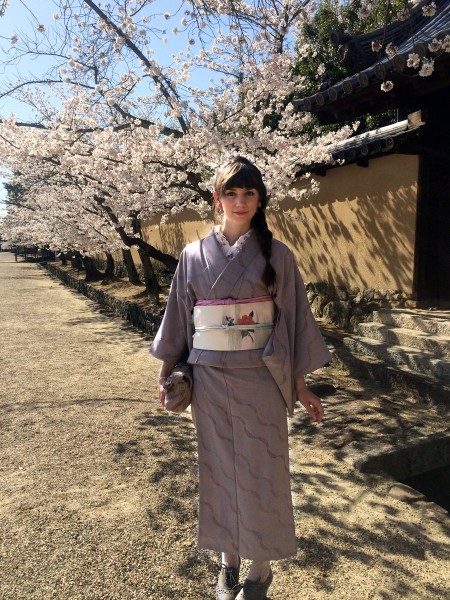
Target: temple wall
(358,231)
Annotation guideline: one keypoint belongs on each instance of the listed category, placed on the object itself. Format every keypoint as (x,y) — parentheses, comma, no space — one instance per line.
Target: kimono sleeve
(309,349)
(173,341)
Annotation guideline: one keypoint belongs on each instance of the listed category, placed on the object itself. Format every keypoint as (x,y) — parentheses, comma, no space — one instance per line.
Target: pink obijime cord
(224,301)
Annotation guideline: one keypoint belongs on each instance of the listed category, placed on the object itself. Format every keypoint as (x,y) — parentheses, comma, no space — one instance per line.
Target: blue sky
(16,19)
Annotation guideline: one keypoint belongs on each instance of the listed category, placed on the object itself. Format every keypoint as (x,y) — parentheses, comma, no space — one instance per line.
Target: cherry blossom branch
(166,87)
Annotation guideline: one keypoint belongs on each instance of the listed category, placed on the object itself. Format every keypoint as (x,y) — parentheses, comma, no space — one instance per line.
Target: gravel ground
(98,483)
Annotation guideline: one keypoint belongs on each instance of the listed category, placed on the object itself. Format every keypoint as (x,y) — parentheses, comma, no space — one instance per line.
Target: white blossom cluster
(403,9)
(422,64)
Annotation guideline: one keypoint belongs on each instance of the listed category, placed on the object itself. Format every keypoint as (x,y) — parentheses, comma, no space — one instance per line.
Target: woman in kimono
(238,310)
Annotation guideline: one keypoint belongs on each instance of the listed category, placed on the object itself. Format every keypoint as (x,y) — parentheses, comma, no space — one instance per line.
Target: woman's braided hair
(240,172)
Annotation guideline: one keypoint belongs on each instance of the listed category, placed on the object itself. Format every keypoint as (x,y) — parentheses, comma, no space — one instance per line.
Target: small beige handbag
(178,388)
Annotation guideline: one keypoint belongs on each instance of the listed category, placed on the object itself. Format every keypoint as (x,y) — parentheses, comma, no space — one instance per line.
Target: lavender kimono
(241,397)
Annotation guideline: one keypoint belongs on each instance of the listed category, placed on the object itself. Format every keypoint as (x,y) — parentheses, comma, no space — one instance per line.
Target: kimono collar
(231,251)
(225,276)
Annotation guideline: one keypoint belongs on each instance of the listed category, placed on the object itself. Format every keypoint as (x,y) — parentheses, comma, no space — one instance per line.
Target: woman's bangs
(244,178)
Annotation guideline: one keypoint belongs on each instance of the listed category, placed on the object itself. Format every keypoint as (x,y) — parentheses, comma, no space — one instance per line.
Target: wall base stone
(129,311)
(346,308)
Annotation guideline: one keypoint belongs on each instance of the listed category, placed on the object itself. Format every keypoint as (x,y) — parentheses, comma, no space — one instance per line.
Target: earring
(259,204)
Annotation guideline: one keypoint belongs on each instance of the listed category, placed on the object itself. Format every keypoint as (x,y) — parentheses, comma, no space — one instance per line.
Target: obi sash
(224,325)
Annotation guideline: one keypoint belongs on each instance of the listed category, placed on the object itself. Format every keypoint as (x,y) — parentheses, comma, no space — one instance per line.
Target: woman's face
(239,205)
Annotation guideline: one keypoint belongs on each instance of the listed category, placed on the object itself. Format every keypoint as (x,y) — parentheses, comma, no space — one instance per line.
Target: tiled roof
(356,51)
(364,86)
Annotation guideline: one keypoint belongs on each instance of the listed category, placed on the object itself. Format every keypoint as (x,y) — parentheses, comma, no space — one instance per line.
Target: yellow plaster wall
(358,231)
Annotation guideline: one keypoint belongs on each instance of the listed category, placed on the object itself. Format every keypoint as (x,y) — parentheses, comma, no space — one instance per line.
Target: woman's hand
(310,402)
(162,391)
(166,370)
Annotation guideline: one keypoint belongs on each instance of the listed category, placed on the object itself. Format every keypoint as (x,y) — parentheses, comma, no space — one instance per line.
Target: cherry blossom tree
(122,135)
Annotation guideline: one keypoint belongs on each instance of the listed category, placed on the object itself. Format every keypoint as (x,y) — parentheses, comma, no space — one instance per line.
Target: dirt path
(98,484)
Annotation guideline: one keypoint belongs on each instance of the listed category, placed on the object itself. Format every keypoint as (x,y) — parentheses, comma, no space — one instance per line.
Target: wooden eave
(399,137)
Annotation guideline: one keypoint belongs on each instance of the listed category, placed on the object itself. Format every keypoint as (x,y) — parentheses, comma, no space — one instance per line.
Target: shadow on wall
(359,230)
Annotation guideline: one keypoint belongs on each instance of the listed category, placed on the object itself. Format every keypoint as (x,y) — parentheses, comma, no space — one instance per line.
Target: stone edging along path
(130,311)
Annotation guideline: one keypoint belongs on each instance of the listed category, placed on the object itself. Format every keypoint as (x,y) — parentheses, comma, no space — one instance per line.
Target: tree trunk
(76,261)
(63,259)
(167,260)
(151,283)
(109,272)
(133,275)
(92,273)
